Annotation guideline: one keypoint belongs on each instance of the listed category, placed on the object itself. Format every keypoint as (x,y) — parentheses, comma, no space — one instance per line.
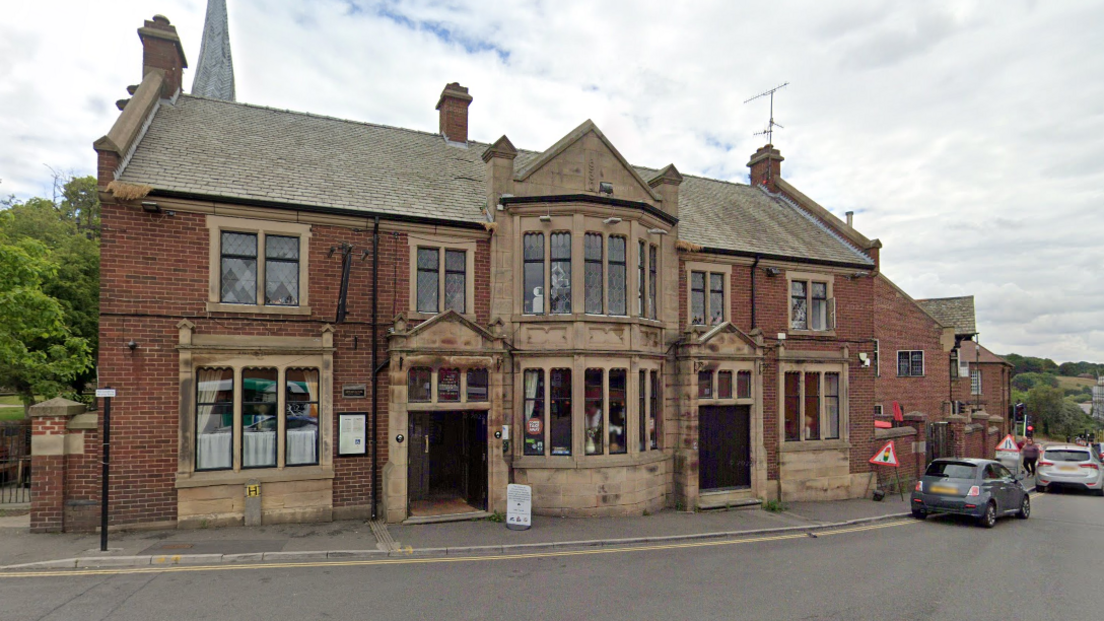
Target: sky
(967,136)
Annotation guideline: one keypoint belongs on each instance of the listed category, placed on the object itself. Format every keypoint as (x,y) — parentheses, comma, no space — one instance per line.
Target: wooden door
(724,447)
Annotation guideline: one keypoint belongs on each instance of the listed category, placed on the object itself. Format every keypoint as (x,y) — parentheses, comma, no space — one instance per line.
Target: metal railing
(15,462)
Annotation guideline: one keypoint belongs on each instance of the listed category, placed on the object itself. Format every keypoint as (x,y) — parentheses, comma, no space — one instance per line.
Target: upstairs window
(281,270)
(618,288)
(431,286)
(560,277)
(592,267)
(811,307)
(653,270)
(239,268)
(707,297)
(257,263)
(975,381)
(910,363)
(533,268)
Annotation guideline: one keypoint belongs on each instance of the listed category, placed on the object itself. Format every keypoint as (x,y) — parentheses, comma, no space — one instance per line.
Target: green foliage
(497,517)
(49,291)
(1030,364)
(1027,381)
(774,506)
(1075,369)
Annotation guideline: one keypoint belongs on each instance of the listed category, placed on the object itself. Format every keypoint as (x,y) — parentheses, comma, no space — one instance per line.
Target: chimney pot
(850,217)
(162,51)
(453,106)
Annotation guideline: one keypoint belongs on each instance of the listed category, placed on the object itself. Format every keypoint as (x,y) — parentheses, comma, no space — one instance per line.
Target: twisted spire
(215,71)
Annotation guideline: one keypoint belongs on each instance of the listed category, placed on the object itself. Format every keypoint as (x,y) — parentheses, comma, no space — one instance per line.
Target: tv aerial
(769,131)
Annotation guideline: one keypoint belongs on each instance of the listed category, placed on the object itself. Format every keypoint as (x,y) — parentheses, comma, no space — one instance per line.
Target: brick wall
(154,273)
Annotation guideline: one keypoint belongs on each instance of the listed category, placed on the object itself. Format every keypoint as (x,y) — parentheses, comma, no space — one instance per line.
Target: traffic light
(1020,412)
(1031,431)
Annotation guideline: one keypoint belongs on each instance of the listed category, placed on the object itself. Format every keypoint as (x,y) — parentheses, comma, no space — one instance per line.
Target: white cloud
(967,136)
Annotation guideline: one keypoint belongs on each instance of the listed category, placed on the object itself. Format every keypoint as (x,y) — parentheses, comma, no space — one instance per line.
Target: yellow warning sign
(1008,444)
(886,457)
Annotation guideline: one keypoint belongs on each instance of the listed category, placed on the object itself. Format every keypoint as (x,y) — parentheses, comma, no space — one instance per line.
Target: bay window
(533,273)
(560,277)
(592,268)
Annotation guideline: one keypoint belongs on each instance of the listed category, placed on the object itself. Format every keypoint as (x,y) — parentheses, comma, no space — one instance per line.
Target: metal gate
(15,462)
(940,441)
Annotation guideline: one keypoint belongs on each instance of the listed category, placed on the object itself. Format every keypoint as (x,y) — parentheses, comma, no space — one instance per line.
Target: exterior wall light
(772,271)
(614,220)
(151,207)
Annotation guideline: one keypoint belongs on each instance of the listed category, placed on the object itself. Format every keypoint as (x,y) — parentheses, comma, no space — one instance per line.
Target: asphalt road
(1048,567)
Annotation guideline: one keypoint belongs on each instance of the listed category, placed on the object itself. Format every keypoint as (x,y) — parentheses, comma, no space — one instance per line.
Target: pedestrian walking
(1030,455)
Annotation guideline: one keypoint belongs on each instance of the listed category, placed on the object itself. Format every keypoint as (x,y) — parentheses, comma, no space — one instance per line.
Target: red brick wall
(901,326)
(154,273)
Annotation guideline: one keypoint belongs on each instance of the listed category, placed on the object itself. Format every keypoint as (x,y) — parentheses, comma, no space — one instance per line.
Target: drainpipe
(753,266)
(375,369)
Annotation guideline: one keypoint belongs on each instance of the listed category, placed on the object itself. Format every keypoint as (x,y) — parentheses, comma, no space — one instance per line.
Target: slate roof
(969,352)
(239,151)
(957,312)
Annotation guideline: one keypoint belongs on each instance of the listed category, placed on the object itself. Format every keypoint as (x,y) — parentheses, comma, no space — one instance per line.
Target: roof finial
(215,72)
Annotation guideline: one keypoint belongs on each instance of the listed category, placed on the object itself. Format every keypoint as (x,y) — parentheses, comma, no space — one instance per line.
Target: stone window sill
(815,445)
(590,461)
(257,309)
(267,475)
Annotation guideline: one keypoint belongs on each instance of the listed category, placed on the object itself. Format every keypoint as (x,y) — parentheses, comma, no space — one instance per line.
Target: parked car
(1072,467)
(980,488)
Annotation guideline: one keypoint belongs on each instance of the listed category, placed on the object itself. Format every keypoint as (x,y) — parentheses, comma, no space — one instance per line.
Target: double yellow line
(446,559)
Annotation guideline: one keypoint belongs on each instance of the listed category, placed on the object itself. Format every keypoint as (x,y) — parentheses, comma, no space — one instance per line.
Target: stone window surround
(923,363)
(578,457)
(436,405)
(216,225)
(716,268)
(579,225)
(238,352)
(810,277)
(821,367)
(442,243)
(734,368)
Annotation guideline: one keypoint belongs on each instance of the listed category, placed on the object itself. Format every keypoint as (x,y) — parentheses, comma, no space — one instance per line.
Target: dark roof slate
(239,151)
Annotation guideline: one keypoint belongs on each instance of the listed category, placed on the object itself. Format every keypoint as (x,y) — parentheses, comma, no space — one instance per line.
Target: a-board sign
(886,457)
(352,431)
(1008,444)
(519,507)
(105,392)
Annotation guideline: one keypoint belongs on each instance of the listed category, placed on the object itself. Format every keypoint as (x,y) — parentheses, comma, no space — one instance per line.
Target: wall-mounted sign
(354,391)
(352,429)
(103,393)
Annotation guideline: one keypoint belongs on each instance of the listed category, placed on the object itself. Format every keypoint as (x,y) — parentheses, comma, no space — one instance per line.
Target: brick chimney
(766,167)
(453,105)
(162,51)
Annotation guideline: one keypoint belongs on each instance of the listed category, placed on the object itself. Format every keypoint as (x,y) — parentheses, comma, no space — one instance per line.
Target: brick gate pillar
(49,445)
(958,427)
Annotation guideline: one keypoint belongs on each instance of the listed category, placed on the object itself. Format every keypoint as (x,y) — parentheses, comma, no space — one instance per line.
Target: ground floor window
(243,417)
(811,405)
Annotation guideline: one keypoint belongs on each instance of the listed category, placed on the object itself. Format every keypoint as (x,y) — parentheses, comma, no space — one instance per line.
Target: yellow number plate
(943,489)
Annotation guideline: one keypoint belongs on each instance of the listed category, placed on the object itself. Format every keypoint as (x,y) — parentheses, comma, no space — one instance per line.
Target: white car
(1070,466)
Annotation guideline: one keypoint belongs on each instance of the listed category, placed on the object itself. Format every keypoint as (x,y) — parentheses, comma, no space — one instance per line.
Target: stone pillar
(49,445)
(919,421)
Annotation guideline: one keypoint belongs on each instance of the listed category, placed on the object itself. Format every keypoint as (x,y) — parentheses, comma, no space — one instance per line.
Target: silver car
(1070,466)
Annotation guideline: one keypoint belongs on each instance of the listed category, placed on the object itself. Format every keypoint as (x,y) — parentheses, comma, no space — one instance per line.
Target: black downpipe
(375,369)
(753,270)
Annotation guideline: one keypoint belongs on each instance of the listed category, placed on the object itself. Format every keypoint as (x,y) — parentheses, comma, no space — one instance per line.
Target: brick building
(367,321)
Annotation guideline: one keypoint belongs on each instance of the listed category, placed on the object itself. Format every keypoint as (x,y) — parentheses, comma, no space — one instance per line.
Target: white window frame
(975,381)
(217,225)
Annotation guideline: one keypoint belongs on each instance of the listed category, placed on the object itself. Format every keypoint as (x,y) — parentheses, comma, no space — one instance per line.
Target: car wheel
(1025,508)
(989,518)
(919,514)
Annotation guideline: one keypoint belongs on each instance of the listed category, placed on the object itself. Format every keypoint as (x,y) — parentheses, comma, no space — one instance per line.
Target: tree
(1027,381)
(68,227)
(39,354)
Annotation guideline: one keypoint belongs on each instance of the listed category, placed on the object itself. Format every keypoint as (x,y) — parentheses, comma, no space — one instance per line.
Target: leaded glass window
(618,288)
(724,385)
(477,385)
(456,263)
(652,281)
(831,406)
(812,406)
(259,424)
(533,268)
(592,267)
(534,411)
(697,298)
(239,268)
(799,318)
(560,274)
(448,385)
(654,417)
(716,298)
(418,384)
(641,270)
(428,280)
(281,270)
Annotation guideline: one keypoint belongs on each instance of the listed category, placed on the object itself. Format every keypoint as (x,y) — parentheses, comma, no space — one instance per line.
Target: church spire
(215,71)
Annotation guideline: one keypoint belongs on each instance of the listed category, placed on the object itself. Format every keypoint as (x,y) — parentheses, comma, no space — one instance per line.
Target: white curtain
(302,443)
(212,448)
(530,392)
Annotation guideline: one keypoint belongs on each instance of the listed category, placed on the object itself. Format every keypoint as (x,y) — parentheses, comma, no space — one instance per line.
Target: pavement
(22,550)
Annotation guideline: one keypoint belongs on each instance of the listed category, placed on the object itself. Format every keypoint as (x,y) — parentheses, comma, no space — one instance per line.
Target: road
(1048,567)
